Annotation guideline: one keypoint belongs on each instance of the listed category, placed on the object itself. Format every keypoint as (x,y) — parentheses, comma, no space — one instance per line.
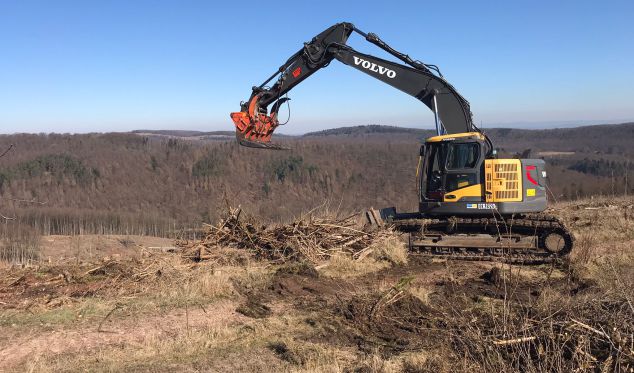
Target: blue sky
(94,66)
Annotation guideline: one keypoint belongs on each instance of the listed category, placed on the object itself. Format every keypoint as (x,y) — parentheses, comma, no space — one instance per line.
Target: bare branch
(514,341)
(6,151)
(24,200)
(6,217)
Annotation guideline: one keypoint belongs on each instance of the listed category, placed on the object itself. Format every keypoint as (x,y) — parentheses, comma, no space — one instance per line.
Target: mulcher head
(254,127)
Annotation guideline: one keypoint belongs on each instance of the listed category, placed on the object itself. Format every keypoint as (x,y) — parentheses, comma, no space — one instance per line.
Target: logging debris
(308,238)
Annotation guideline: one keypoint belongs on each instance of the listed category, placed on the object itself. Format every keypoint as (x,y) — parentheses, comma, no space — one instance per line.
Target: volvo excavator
(472,205)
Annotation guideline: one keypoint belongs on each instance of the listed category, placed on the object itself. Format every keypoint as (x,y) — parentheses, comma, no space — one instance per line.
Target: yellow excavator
(472,205)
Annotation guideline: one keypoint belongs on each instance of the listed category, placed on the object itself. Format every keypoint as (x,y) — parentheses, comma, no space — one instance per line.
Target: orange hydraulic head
(254,128)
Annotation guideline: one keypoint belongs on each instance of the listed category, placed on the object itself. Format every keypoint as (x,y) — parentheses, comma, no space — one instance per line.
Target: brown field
(134,303)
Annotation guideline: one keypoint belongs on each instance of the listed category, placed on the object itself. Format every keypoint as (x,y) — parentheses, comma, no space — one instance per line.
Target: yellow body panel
(503,179)
(470,191)
(455,136)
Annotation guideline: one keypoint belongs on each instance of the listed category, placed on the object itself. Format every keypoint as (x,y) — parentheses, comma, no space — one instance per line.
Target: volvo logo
(374,67)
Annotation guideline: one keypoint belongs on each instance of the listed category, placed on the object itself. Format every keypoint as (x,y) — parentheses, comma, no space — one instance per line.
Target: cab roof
(453,136)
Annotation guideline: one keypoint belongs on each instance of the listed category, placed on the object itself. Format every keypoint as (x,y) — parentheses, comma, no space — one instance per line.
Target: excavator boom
(255,124)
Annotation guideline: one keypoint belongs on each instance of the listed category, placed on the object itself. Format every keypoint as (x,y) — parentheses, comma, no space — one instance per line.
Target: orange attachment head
(254,128)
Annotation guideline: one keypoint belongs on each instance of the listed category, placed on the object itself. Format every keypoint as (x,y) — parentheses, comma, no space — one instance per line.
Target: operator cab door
(451,167)
(463,171)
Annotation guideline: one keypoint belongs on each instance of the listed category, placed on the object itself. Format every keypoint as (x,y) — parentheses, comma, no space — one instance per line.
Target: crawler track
(526,239)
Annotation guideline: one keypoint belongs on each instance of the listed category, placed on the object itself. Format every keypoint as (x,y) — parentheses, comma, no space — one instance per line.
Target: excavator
(472,205)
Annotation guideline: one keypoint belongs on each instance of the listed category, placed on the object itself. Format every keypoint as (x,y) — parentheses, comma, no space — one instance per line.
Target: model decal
(482,206)
(528,174)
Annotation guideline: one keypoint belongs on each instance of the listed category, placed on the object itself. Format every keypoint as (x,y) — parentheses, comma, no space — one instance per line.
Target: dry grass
(606,219)
(423,293)
(153,353)
(588,327)
(373,309)
(388,250)
(343,265)
(391,248)
(585,247)
(312,357)
(69,296)
(265,345)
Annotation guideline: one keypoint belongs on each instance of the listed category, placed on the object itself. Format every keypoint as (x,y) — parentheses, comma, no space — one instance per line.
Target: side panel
(503,180)
(534,179)
(469,193)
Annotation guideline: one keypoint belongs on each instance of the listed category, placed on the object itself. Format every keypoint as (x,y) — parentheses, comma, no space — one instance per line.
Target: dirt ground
(56,248)
(144,307)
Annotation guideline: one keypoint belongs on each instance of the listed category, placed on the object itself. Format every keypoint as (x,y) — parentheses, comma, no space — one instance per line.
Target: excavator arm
(255,123)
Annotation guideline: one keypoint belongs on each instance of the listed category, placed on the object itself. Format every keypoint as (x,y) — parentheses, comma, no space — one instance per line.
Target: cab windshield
(460,156)
(448,167)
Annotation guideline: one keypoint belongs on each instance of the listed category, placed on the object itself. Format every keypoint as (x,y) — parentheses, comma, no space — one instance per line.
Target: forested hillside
(142,182)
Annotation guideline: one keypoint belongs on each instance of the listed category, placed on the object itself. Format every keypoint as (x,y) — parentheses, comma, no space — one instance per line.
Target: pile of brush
(308,238)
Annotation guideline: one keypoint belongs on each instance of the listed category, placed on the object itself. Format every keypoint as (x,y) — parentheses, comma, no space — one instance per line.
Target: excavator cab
(459,175)
(451,168)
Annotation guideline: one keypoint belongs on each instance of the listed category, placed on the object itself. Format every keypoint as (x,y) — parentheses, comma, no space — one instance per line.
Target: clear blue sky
(92,66)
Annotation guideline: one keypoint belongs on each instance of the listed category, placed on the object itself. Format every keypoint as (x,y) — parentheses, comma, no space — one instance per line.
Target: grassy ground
(384,312)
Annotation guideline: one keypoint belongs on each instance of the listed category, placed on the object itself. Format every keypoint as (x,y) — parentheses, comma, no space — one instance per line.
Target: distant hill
(605,138)
(193,135)
(366,130)
(182,133)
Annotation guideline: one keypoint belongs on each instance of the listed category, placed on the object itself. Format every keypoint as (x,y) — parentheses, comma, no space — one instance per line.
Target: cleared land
(329,304)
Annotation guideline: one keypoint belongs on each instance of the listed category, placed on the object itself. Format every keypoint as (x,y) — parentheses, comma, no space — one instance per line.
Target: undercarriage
(525,239)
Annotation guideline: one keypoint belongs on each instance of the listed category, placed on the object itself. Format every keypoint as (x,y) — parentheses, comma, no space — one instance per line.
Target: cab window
(432,180)
(461,156)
